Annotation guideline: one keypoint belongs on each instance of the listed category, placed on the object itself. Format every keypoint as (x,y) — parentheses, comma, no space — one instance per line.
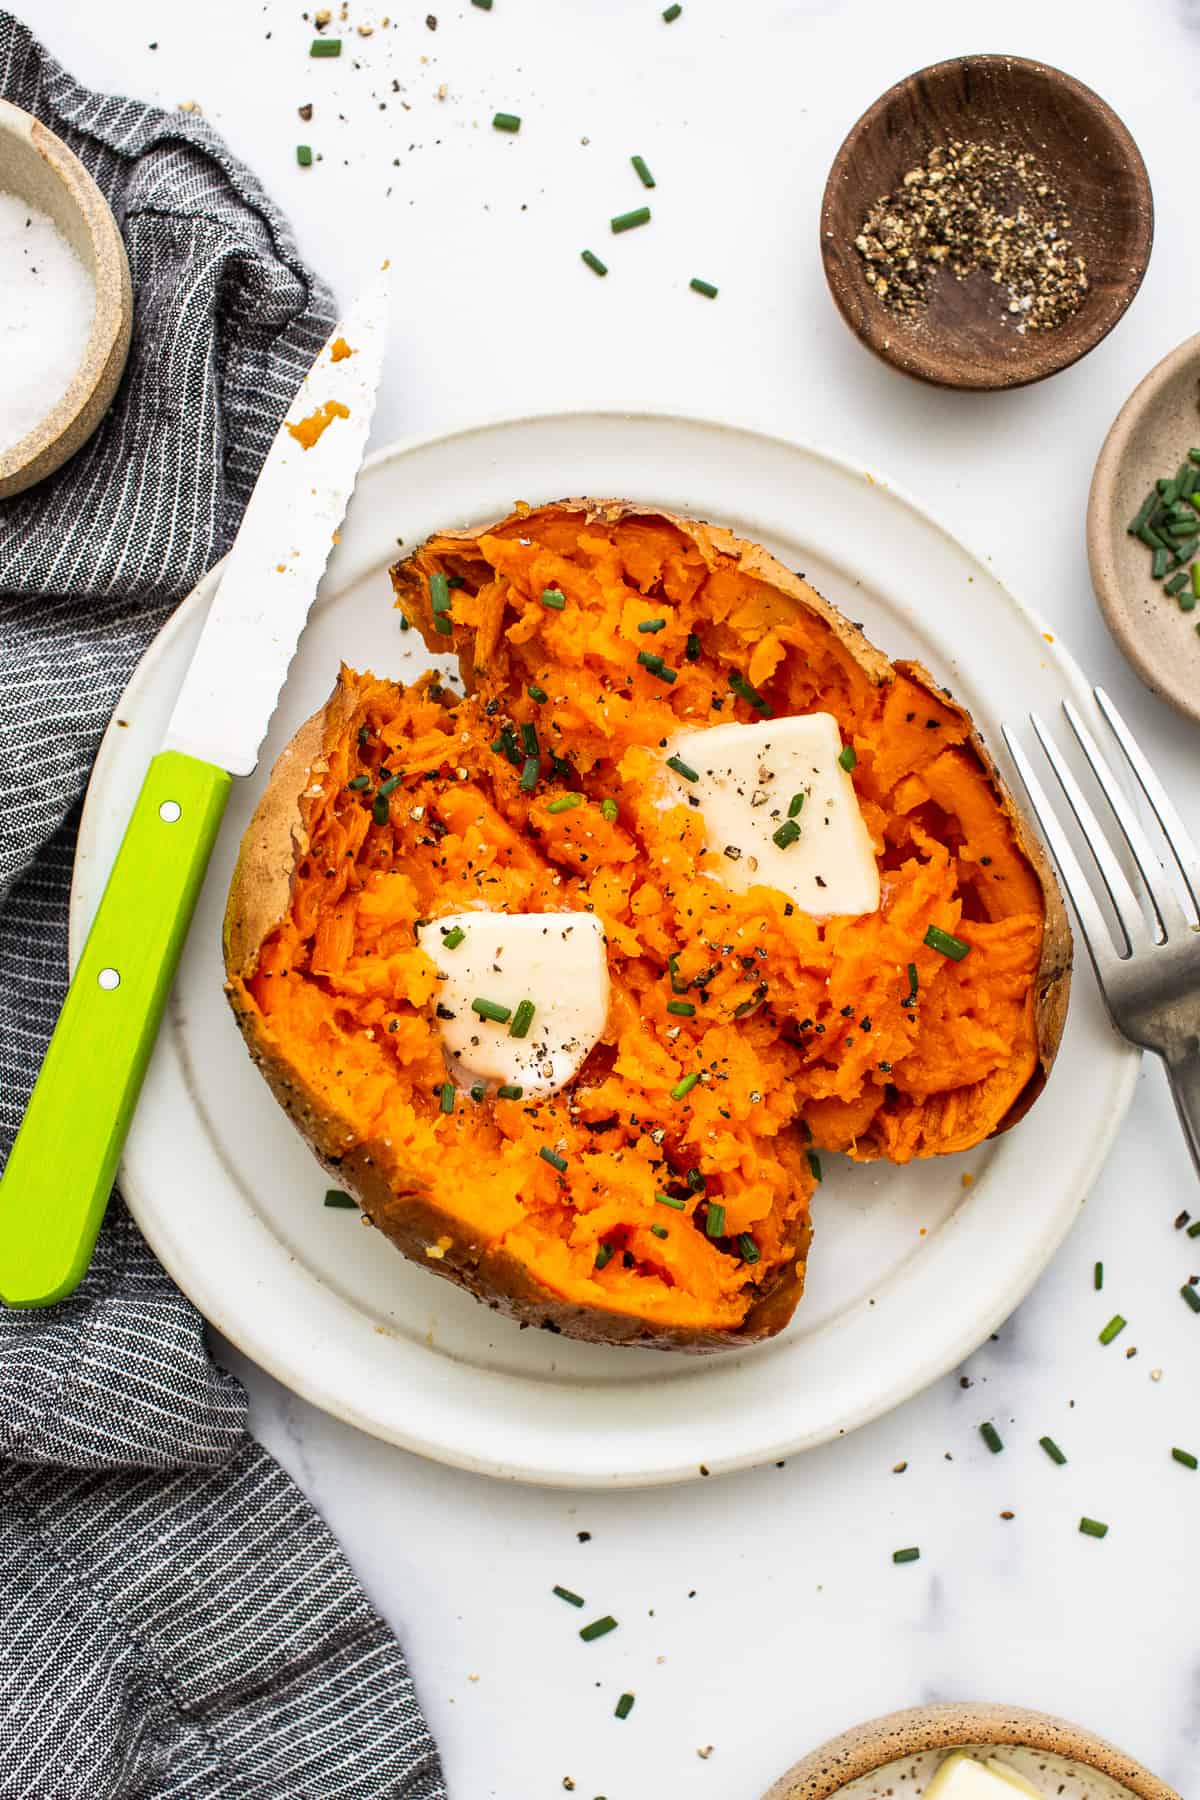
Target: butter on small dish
(963,1777)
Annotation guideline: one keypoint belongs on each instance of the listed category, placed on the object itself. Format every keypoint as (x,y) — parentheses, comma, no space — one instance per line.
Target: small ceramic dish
(964,337)
(900,1754)
(1150,437)
(38,167)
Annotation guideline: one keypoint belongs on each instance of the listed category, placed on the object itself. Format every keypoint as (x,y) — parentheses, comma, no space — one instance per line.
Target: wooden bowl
(37,166)
(1077,1763)
(1151,436)
(964,337)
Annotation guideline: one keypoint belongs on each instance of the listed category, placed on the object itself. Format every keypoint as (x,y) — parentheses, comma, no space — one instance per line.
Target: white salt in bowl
(37,167)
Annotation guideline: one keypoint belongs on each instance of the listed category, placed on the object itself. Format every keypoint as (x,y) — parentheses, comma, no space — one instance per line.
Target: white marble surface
(799,1623)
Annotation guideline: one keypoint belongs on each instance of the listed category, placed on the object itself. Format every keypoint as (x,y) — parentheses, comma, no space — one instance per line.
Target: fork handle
(1183,1073)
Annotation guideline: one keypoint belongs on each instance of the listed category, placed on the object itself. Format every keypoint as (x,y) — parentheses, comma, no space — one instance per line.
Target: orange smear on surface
(307,431)
(339,350)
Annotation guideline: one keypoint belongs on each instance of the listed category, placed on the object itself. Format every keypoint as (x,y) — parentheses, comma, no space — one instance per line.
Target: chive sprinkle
(695,1181)
(359,782)
(325,47)
(1114,1328)
(912,984)
(794,805)
(522,1019)
(609,810)
(509,1091)
(906,1556)
(699,286)
(1093,1528)
(477,1092)
(714,1223)
(670,1200)
(624,1705)
(748,1248)
(683,1088)
(643,171)
(1194,1230)
(566,1594)
(672,13)
(659,1231)
(491,1009)
(593,262)
(848,758)
(530,770)
(681,768)
(627,221)
(744,691)
(503,121)
(379,809)
(439,593)
(787,834)
(656,666)
(564,803)
(652,625)
(692,647)
(1186,1458)
(991,1437)
(1052,1450)
(536,693)
(1191,1296)
(389,786)
(598,1628)
(684,1008)
(529,739)
(677,986)
(553,1158)
(604,1256)
(453,938)
(443,624)
(814,1163)
(942,941)
(336,1198)
(1098,1276)
(304,155)
(554,598)
(446,1097)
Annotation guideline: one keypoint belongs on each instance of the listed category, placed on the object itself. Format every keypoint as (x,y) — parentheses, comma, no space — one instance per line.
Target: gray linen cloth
(174,1617)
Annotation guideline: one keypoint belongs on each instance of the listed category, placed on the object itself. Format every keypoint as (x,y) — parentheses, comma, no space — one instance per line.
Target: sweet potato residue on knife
(307,431)
(339,350)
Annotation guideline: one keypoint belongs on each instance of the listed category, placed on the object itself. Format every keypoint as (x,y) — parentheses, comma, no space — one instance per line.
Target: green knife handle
(61,1168)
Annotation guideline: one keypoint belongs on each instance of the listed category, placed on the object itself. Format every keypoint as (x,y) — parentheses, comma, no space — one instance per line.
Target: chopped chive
(695,1181)
(1168,489)
(604,1256)
(684,1008)
(942,941)
(565,803)
(748,1248)
(683,1088)
(1191,1296)
(529,740)
(325,47)
(912,983)
(1194,1230)
(1158,566)
(677,986)
(848,758)
(659,1231)
(744,691)
(1187,600)
(598,1628)
(1142,516)
(627,221)
(389,786)
(1052,1450)
(379,809)
(506,744)
(643,171)
(1093,1528)
(491,1009)
(336,1198)
(537,693)
(456,581)
(1186,1458)
(706,288)
(650,660)
(446,1097)
(672,13)
(670,1200)
(787,834)
(477,1092)
(1098,1276)
(566,1594)
(692,648)
(503,121)
(681,768)
(991,1437)
(553,1158)
(794,805)
(714,1224)
(814,1163)
(906,1556)
(1114,1328)
(509,1091)
(554,598)
(304,155)
(530,770)
(439,593)
(522,1019)
(453,938)
(624,1705)
(652,625)
(443,624)
(1196,578)
(593,262)
(1185,552)
(359,782)
(609,810)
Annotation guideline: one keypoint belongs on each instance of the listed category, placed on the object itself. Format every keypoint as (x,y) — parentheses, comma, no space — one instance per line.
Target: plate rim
(308,1383)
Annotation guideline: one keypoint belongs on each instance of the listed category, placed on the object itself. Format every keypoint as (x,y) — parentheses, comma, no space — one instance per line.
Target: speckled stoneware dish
(896,1757)
(1151,436)
(37,167)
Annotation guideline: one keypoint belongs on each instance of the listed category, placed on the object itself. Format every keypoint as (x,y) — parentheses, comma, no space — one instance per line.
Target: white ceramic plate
(910,1270)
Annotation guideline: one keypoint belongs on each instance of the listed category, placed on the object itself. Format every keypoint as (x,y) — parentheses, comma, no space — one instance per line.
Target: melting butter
(961,1777)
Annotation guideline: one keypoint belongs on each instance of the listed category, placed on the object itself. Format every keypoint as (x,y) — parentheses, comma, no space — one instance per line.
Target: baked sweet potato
(852,1033)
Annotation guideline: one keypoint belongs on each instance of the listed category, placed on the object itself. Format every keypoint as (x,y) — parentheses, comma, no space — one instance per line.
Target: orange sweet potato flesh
(807,1033)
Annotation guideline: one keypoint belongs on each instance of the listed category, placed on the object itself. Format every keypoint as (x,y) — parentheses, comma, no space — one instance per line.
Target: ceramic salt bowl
(37,166)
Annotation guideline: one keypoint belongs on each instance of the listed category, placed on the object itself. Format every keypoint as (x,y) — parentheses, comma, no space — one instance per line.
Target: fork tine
(1178,838)
(1092,922)
(1124,901)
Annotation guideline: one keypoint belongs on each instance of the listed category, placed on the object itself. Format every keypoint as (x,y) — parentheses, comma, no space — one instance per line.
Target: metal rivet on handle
(109,979)
(169,811)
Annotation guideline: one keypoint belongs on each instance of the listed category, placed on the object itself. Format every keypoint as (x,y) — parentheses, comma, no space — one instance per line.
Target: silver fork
(1151,980)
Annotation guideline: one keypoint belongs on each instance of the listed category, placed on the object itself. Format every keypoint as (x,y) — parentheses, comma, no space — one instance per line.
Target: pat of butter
(747,779)
(556,961)
(961,1777)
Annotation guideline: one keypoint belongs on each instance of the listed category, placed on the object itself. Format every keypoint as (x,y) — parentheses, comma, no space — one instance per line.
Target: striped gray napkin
(176,1620)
